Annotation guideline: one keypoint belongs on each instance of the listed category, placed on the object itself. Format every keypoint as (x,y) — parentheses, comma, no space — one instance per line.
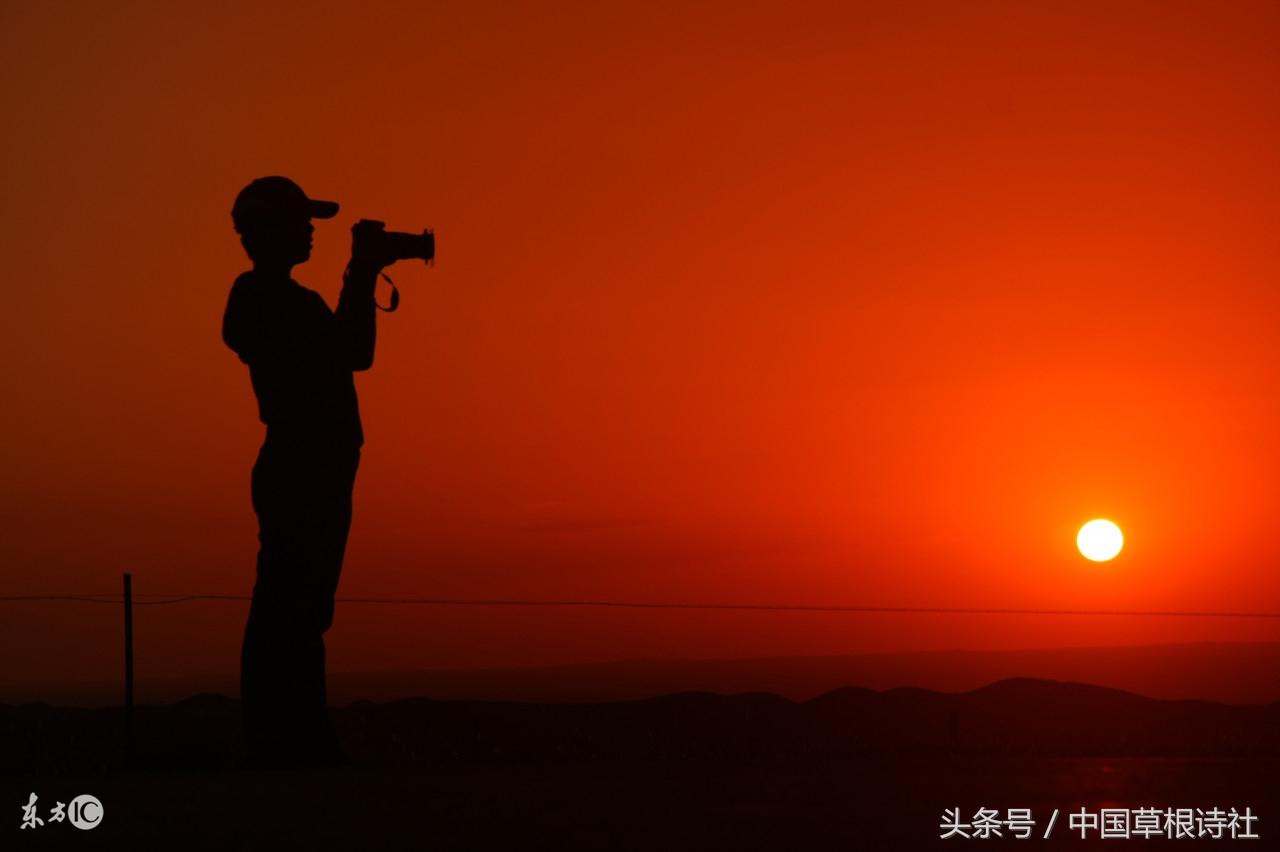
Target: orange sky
(827,303)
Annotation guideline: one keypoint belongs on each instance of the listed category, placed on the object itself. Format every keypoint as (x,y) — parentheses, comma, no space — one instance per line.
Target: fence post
(128,665)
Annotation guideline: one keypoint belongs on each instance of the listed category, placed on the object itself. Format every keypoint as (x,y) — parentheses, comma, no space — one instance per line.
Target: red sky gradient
(794,303)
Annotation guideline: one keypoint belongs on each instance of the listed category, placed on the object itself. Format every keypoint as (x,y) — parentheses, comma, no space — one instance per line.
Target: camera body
(370,239)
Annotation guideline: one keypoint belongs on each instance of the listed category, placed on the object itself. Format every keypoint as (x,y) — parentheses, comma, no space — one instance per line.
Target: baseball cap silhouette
(274,199)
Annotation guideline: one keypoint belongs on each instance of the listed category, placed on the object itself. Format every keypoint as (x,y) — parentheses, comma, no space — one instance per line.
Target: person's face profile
(286,240)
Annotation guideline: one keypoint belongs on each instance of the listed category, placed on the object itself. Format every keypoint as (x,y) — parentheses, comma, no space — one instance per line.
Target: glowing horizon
(772,304)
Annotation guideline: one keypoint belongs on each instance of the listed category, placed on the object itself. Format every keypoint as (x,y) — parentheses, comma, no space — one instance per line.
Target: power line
(105,599)
(159,599)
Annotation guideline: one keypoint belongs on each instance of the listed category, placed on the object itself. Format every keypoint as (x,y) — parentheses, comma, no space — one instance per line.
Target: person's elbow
(362,361)
(357,351)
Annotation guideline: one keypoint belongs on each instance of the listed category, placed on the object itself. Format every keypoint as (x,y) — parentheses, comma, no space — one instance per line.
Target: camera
(371,239)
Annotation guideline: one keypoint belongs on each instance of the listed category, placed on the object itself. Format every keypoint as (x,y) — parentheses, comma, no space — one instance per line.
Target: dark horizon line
(1036,680)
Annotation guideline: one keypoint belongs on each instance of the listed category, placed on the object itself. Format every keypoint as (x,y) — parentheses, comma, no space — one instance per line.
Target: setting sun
(1100,540)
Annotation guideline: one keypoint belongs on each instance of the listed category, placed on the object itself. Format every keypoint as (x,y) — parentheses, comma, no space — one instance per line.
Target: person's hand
(369,248)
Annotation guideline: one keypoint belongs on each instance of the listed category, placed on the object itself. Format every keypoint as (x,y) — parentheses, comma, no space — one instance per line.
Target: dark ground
(852,770)
(847,804)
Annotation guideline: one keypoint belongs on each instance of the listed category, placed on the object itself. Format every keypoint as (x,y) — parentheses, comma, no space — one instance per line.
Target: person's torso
(297,363)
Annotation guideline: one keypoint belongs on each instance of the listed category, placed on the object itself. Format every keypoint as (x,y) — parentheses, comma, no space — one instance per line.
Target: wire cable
(162,599)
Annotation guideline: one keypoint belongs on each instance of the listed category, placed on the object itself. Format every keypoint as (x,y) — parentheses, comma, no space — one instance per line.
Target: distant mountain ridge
(1015,716)
(1239,673)
(1019,715)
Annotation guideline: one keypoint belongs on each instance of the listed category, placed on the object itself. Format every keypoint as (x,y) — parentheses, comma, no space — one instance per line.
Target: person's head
(273,217)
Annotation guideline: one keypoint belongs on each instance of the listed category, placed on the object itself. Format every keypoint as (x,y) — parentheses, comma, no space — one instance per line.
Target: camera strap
(395,295)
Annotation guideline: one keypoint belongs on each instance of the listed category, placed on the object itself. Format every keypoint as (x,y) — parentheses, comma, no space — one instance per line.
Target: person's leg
(332,533)
(256,666)
(303,501)
(276,651)
(274,659)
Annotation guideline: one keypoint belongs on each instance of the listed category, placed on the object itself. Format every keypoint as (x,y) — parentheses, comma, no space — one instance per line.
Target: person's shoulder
(252,286)
(251,295)
(251,289)
(242,286)
(240,289)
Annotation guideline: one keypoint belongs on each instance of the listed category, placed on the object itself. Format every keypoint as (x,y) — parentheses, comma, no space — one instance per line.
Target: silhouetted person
(301,356)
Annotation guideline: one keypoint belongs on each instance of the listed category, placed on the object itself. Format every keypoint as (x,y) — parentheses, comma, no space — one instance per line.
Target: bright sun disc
(1100,540)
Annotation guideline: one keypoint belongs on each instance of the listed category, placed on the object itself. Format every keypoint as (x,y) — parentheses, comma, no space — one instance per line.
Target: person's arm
(356,315)
(242,323)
